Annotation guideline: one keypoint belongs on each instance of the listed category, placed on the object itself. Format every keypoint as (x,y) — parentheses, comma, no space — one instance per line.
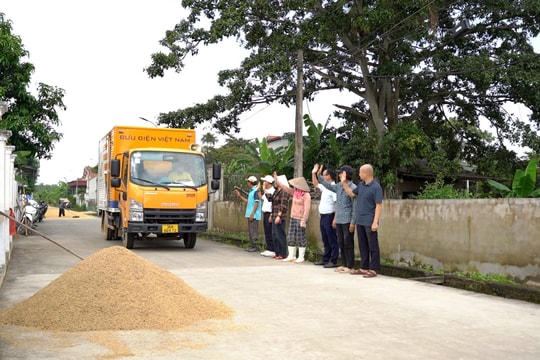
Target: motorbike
(42,210)
(29,217)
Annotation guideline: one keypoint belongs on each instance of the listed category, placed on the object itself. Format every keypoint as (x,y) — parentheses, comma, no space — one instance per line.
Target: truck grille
(172,216)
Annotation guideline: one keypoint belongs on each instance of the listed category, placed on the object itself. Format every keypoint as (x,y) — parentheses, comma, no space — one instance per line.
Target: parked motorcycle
(42,210)
(29,217)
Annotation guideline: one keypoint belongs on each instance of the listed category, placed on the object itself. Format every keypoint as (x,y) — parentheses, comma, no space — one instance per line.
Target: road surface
(281,310)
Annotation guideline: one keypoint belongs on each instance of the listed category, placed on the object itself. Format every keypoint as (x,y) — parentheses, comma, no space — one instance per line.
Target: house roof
(422,170)
(88,173)
(77,183)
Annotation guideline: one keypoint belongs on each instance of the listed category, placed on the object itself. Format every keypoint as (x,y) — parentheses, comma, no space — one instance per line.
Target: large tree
(32,118)
(426,72)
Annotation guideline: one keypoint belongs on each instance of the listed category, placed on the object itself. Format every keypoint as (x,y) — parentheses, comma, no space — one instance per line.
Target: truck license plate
(173,228)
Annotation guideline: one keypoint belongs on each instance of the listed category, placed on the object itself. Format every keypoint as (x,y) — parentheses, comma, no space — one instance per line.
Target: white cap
(268,178)
(252,179)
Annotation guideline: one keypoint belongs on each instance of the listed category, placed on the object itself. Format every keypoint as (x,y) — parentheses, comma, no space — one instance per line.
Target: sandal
(339,268)
(344,270)
(359,272)
(370,274)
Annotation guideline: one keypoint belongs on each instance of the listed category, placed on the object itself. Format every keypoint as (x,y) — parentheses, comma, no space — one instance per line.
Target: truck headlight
(135,211)
(202,211)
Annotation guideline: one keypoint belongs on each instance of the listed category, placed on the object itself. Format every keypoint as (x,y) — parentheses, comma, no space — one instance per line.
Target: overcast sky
(96,51)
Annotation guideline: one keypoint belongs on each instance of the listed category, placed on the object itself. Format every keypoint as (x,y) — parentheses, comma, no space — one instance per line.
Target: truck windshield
(174,169)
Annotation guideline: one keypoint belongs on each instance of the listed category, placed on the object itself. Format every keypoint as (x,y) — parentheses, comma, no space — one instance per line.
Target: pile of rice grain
(114,289)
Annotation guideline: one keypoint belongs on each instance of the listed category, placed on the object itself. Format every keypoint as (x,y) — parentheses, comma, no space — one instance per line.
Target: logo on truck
(149,138)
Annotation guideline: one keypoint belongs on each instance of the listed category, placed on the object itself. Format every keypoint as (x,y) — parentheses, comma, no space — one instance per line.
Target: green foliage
(26,173)
(258,157)
(401,147)
(406,62)
(32,119)
(488,277)
(51,193)
(225,155)
(210,140)
(439,190)
(320,146)
(402,59)
(523,184)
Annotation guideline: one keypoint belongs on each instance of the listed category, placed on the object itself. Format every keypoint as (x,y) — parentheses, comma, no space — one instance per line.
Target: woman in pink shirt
(301,205)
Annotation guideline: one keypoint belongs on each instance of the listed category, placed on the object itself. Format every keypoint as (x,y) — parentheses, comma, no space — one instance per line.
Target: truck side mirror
(115,168)
(115,182)
(216,173)
(215,185)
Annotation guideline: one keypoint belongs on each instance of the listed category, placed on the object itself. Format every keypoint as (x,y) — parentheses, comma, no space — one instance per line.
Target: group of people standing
(344,208)
(357,208)
(271,203)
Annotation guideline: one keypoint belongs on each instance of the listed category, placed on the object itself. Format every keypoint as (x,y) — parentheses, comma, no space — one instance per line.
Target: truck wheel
(107,233)
(190,240)
(128,240)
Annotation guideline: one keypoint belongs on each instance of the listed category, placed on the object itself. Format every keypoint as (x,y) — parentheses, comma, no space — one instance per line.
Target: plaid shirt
(280,203)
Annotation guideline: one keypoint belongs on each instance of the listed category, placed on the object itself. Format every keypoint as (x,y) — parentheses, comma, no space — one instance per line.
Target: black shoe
(322,262)
(251,249)
(330,265)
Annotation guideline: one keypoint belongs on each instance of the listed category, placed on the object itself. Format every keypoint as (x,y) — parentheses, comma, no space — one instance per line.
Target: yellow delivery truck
(153,184)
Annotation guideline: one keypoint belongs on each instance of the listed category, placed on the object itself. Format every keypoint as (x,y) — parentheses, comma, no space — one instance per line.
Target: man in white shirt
(327,210)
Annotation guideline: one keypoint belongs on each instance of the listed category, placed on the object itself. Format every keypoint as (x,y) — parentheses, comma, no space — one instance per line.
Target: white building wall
(91,193)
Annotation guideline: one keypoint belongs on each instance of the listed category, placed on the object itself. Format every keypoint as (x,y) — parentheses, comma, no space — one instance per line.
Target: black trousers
(268,231)
(368,242)
(329,238)
(346,245)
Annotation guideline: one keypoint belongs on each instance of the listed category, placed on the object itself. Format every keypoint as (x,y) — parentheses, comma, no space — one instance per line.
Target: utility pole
(298,128)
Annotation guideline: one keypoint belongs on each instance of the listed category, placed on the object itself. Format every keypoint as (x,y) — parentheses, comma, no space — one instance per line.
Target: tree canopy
(32,119)
(426,72)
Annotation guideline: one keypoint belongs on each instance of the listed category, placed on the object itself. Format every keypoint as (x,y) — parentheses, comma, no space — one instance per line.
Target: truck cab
(155,193)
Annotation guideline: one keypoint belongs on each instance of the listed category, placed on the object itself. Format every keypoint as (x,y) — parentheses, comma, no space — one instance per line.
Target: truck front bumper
(158,228)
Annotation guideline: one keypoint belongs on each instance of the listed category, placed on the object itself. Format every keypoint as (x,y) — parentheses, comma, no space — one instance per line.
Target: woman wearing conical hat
(301,205)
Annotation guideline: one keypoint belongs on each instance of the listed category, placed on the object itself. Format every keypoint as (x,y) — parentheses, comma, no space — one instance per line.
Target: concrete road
(282,310)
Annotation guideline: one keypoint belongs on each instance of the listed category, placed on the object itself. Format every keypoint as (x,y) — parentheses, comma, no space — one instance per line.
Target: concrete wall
(499,236)
(228,216)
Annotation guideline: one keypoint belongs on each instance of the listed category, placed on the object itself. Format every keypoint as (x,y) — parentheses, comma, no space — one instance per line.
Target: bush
(437,190)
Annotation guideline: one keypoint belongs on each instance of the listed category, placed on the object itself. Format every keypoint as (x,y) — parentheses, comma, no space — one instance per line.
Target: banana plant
(523,184)
(261,158)
(320,146)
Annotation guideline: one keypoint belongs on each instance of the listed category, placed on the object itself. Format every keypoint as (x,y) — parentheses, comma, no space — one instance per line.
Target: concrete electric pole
(298,128)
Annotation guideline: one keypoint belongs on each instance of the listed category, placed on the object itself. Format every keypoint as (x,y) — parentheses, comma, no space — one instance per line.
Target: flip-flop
(370,274)
(359,272)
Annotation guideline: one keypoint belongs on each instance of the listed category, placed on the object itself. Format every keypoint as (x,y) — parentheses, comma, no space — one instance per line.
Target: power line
(252,115)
